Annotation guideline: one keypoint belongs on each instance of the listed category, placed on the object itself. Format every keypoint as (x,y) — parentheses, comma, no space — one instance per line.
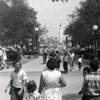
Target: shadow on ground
(72,97)
(23,60)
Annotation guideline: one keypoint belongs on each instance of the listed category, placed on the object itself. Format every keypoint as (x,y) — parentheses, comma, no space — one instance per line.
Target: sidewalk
(34,65)
(34,68)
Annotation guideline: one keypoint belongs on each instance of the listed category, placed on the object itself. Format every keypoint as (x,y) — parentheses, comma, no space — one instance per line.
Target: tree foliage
(4,8)
(18,20)
(83,19)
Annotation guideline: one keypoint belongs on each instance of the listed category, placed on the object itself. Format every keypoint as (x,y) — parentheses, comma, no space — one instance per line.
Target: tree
(82,22)
(4,8)
(20,20)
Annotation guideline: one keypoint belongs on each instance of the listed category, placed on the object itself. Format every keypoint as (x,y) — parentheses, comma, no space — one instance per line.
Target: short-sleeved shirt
(18,78)
(80,60)
(72,55)
(32,96)
(92,84)
(45,50)
(65,59)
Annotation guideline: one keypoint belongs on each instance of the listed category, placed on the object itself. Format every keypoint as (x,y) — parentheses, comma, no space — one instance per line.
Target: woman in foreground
(51,81)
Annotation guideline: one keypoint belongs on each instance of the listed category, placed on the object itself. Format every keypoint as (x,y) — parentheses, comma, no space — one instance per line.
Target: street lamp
(95,28)
(69,41)
(36,29)
(66,39)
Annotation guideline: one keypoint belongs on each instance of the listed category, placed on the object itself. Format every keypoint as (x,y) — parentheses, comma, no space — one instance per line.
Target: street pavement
(34,68)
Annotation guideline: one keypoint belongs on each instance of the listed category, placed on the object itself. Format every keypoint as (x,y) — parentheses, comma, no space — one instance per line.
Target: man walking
(91,86)
(17,82)
(44,54)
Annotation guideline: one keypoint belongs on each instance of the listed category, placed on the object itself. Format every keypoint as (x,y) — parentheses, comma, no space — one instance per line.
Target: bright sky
(51,14)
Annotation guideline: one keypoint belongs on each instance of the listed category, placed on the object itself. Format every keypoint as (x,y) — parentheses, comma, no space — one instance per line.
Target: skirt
(51,94)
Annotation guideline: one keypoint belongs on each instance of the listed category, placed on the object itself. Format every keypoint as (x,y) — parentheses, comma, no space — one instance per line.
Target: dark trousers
(79,66)
(58,64)
(91,98)
(44,57)
(65,66)
(14,94)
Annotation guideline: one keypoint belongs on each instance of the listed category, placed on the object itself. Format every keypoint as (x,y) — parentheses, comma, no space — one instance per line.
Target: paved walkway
(36,65)
(34,69)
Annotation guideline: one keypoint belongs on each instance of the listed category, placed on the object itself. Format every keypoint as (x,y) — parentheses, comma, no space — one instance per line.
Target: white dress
(51,90)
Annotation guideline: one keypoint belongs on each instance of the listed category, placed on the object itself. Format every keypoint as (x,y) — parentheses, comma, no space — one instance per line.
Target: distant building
(61,36)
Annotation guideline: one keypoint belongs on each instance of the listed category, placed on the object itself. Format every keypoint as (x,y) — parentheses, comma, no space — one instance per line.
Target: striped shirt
(92,84)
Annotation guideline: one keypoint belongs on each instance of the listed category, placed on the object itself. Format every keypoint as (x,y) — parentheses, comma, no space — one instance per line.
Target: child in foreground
(17,82)
(91,84)
(86,71)
(31,93)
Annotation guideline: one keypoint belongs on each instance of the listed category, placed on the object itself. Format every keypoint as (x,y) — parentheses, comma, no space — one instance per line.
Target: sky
(51,14)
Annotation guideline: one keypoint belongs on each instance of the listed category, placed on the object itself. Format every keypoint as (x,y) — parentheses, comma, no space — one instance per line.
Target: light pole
(95,28)
(66,41)
(36,29)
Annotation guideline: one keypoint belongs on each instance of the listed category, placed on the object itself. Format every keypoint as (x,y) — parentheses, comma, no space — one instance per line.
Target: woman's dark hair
(51,63)
(86,69)
(94,64)
(31,86)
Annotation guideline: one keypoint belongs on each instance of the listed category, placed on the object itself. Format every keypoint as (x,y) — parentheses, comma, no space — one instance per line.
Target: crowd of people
(51,79)
(9,54)
(69,59)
